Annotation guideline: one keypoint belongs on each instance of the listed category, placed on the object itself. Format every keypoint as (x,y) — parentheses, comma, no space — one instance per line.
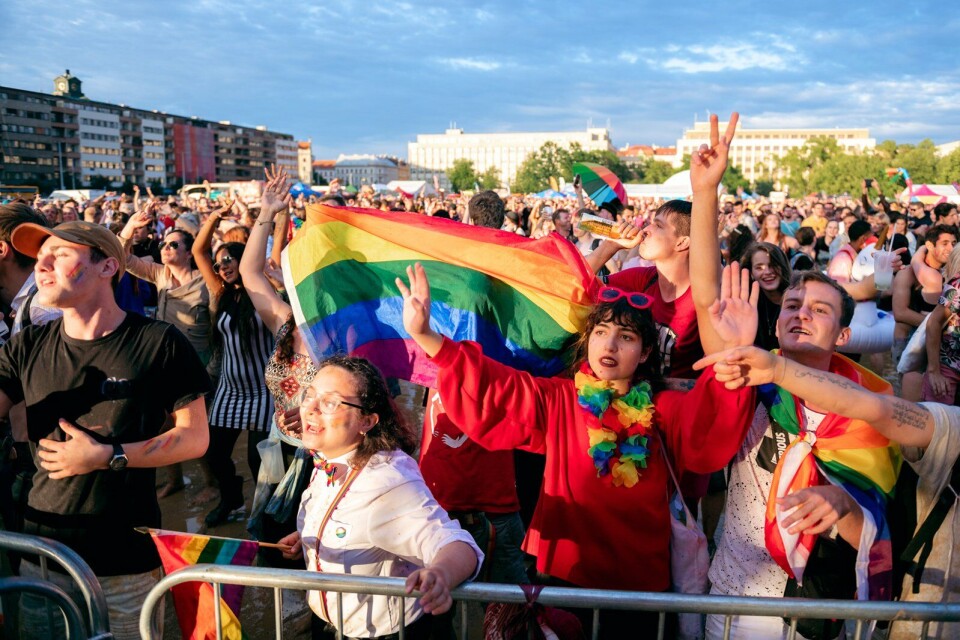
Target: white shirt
(387,525)
(742,565)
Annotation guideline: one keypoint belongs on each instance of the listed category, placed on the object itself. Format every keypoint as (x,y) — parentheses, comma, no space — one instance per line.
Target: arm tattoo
(832,379)
(908,414)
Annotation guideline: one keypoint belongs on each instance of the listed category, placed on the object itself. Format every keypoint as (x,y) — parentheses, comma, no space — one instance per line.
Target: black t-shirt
(801,262)
(118,388)
(924,221)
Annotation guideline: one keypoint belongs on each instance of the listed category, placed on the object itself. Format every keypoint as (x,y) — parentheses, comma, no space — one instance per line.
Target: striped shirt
(242,400)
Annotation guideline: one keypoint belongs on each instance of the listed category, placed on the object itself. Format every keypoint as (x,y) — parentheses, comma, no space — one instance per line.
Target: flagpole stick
(269,545)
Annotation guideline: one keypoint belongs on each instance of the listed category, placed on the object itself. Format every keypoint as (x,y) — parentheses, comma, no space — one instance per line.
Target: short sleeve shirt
(119,389)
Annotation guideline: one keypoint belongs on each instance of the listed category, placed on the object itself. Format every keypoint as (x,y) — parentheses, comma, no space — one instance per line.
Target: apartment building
(65,140)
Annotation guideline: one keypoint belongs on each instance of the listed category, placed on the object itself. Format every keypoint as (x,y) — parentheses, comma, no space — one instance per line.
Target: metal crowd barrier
(98,627)
(74,619)
(862,612)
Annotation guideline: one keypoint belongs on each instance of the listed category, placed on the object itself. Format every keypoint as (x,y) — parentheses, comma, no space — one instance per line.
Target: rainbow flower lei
(619,447)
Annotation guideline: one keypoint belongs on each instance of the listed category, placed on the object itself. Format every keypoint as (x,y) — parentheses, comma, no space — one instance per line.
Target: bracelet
(270,222)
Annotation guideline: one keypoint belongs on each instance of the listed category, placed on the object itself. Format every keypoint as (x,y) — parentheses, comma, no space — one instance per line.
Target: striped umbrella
(599,183)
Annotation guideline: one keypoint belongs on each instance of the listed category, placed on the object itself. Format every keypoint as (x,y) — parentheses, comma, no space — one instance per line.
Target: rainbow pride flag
(846,453)
(194,600)
(523,300)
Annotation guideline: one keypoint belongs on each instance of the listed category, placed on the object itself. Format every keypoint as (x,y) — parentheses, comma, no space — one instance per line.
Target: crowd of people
(143,331)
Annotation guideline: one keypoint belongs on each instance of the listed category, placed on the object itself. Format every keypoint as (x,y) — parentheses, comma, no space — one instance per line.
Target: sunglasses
(173,244)
(634,299)
(224,261)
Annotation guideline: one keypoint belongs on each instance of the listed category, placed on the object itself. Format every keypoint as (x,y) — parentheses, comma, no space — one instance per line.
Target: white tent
(676,186)
(413,187)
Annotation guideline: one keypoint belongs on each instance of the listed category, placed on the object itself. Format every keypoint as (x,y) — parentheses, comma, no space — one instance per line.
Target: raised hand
(743,367)
(708,163)
(416,310)
(734,315)
(275,196)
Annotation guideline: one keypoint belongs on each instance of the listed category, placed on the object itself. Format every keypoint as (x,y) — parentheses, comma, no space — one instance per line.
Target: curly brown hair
(621,312)
(391,431)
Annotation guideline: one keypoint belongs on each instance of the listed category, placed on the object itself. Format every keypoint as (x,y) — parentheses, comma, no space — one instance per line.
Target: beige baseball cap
(28,237)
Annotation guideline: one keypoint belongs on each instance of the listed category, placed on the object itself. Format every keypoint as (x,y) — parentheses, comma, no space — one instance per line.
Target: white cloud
(628,57)
(761,52)
(472,64)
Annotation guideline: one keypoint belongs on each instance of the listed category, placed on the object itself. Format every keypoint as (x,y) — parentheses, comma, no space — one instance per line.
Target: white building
(433,154)
(947,148)
(99,133)
(305,162)
(754,151)
(288,156)
(358,170)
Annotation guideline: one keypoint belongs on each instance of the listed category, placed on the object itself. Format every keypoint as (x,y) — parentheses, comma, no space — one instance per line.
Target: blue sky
(367,76)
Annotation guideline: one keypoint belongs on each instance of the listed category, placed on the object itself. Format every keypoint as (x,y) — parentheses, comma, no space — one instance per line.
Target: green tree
(763,187)
(733,179)
(948,168)
(549,161)
(798,163)
(489,179)
(844,172)
(657,171)
(462,175)
(919,160)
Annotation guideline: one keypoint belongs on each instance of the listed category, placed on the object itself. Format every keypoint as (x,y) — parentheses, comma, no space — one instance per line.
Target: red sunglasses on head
(634,299)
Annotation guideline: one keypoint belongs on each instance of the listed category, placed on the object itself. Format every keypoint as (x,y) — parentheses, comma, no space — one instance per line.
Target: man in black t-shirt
(98,385)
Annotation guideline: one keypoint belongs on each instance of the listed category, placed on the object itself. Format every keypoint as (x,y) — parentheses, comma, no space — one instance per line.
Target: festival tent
(676,186)
(412,187)
(305,190)
(550,193)
(931,193)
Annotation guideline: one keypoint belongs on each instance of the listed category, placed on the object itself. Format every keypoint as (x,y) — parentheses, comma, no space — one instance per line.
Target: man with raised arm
(930,435)
(761,547)
(98,384)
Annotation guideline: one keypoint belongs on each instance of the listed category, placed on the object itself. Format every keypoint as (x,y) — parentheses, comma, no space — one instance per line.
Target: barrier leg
(217,614)
(278,612)
(595,633)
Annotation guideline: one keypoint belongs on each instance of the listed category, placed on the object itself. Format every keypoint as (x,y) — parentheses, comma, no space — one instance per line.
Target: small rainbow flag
(523,300)
(194,600)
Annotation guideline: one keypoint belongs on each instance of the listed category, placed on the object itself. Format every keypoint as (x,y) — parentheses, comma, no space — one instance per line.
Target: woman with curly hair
(602,520)
(368,511)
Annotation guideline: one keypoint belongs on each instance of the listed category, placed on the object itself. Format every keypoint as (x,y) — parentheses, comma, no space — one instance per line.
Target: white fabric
(941,578)
(742,566)
(387,525)
(39,313)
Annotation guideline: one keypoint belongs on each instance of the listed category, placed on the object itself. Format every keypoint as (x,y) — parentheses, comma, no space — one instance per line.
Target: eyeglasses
(328,403)
(634,299)
(224,261)
(173,244)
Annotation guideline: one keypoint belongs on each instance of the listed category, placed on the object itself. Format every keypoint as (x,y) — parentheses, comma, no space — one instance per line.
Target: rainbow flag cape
(846,453)
(194,600)
(523,300)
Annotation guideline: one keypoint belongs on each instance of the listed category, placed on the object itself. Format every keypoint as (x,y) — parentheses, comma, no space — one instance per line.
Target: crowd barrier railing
(862,612)
(75,628)
(98,622)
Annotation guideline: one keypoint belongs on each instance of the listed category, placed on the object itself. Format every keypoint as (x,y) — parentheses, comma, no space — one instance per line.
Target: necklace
(619,446)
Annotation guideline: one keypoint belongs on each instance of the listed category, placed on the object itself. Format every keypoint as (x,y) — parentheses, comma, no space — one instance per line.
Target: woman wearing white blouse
(367,510)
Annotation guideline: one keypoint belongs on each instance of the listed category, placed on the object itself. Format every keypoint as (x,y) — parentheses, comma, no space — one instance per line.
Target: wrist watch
(119,460)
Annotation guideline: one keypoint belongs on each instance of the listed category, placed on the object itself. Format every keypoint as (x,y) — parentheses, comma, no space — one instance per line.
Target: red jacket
(585,530)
